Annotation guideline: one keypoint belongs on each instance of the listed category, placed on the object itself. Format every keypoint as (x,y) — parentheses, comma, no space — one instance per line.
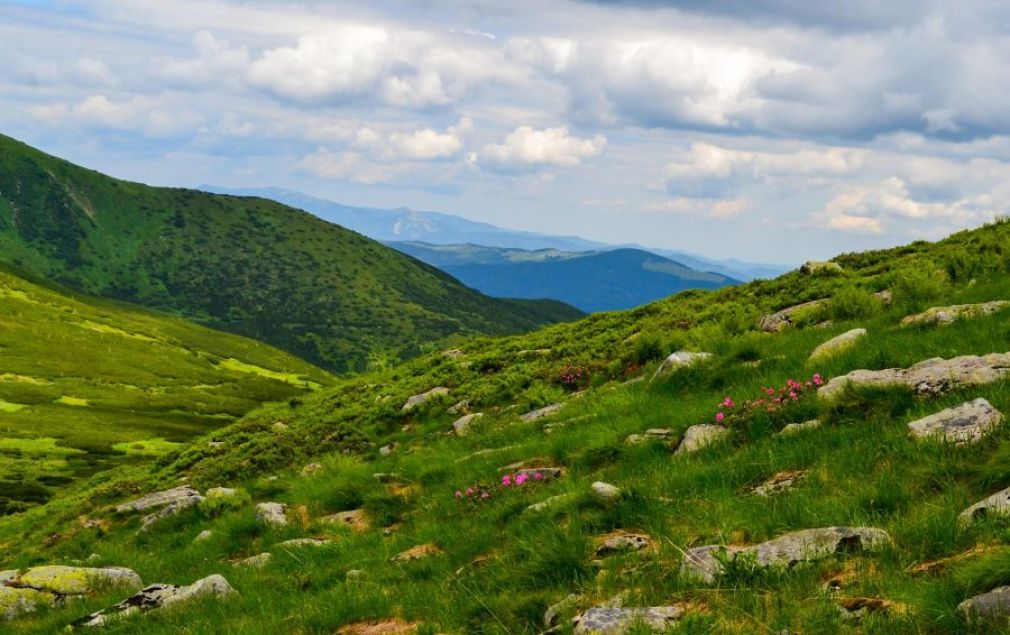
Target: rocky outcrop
(461,426)
(930,377)
(700,436)
(964,424)
(15,602)
(65,581)
(944,315)
(779,483)
(416,401)
(540,413)
(996,505)
(784,319)
(159,596)
(256,562)
(678,360)
(158,499)
(617,621)
(706,563)
(991,606)
(272,514)
(822,267)
(172,509)
(837,344)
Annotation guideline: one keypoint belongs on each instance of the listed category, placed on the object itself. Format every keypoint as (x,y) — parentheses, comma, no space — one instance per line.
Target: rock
(944,315)
(158,499)
(222,492)
(540,413)
(552,616)
(298,543)
(621,542)
(63,580)
(784,319)
(703,563)
(778,483)
(796,428)
(460,408)
(996,505)
(311,469)
(837,344)
(547,503)
(812,267)
(962,425)
(855,609)
(172,509)
(678,360)
(274,514)
(160,596)
(15,602)
(354,574)
(930,377)
(605,493)
(652,434)
(699,436)
(990,606)
(280,426)
(418,552)
(386,450)
(461,426)
(541,473)
(416,401)
(256,562)
(617,621)
(204,536)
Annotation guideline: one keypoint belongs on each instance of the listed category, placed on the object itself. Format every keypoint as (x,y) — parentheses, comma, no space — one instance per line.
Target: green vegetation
(500,564)
(243,265)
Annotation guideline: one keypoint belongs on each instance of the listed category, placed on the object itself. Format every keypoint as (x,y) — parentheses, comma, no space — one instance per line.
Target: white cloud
(146,115)
(527,148)
(344,166)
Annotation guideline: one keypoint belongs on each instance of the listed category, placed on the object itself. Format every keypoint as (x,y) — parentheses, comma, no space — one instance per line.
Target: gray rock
(796,428)
(784,319)
(298,543)
(280,426)
(944,315)
(989,606)
(540,413)
(812,267)
(621,542)
(204,536)
(885,296)
(700,436)
(996,505)
(964,424)
(386,477)
(616,621)
(545,473)
(256,562)
(704,564)
(548,503)
(172,509)
(159,596)
(653,434)
(65,581)
(15,602)
(679,360)
(386,450)
(416,401)
(930,377)
(460,407)
(605,493)
(779,483)
(837,344)
(274,514)
(462,425)
(552,616)
(158,499)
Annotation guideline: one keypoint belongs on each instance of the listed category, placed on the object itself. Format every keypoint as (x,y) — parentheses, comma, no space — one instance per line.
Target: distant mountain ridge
(437,228)
(592,281)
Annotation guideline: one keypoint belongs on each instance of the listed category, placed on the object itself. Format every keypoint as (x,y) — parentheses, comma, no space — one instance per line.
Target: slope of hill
(407,225)
(591,281)
(86,384)
(245,265)
(612,517)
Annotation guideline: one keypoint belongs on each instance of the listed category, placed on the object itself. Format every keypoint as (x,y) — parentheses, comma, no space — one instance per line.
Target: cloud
(344,166)
(702,207)
(528,148)
(146,115)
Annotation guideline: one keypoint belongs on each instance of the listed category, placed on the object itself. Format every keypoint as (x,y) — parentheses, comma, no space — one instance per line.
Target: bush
(917,286)
(647,348)
(851,303)
(215,505)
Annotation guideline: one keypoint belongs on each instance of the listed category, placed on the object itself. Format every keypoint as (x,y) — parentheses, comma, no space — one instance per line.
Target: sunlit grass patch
(147,447)
(289,378)
(68,400)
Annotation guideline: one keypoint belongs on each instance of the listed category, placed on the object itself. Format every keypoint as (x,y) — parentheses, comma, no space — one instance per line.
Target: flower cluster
(774,400)
(573,376)
(481,493)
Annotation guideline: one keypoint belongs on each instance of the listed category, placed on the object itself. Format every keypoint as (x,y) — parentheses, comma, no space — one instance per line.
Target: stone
(678,360)
(544,473)
(962,425)
(462,425)
(159,596)
(703,563)
(63,580)
(460,408)
(274,514)
(617,621)
(778,483)
(298,543)
(605,493)
(172,509)
(552,616)
(783,319)
(930,377)
(256,562)
(158,499)
(417,553)
(386,450)
(837,344)
(416,401)
(204,536)
(796,428)
(547,503)
(354,574)
(944,315)
(855,609)
(700,436)
(989,606)
(311,469)
(540,413)
(280,426)
(621,542)
(996,505)
(812,267)
(15,602)
(652,434)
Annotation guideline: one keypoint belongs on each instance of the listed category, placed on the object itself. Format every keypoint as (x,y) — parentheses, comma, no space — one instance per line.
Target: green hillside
(416,556)
(244,265)
(87,384)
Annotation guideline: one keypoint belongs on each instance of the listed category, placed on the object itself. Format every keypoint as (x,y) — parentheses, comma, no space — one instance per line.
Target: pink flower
(459,494)
(521,478)
(484,495)
(817,379)
(719,416)
(506,480)
(469,491)
(770,391)
(538,476)
(728,403)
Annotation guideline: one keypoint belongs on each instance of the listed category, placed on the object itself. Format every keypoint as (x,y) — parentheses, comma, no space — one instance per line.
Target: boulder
(461,426)
(621,542)
(796,428)
(63,580)
(356,519)
(837,344)
(172,509)
(812,267)
(298,543)
(930,377)
(15,602)
(204,536)
(996,505)
(784,319)
(540,413)
(158,499)
(547,503)
(700,436)
(273,514)
(617,621)
(653,434)
(964,424)
(605,493)
(944,315)
(778,483)
(705,563)
(678,360)
(460,407)
(414,402)
(160,596)
(256,562)
(991,606)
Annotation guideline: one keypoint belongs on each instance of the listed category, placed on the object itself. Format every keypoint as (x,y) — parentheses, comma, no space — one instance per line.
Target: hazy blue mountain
(436,228)
(592,281)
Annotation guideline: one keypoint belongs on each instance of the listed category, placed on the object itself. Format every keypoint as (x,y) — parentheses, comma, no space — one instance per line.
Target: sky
(774,131)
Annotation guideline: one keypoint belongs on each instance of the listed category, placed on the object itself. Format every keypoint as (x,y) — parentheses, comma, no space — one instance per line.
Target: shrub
(916,286)
(647,348)
(215,505)
(851,302)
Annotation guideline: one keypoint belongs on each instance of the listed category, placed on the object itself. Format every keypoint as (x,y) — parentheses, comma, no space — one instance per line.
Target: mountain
(87,384)
(407,518)
(406,225)
(591,281)
(240,264)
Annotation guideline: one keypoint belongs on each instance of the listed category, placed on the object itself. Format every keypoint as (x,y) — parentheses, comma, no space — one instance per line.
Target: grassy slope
(245,265)
(864,471)
(87,383)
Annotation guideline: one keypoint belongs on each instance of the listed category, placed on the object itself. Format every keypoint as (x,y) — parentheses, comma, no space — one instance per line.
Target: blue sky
(777,131)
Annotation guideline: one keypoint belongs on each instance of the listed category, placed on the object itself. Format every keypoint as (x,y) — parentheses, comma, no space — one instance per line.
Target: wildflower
(469,492)
(727,403)
(484,495)
(538,476)
(521,478)
(817,379)
(770,391)
(506,480)
(459,494)
(719,416)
